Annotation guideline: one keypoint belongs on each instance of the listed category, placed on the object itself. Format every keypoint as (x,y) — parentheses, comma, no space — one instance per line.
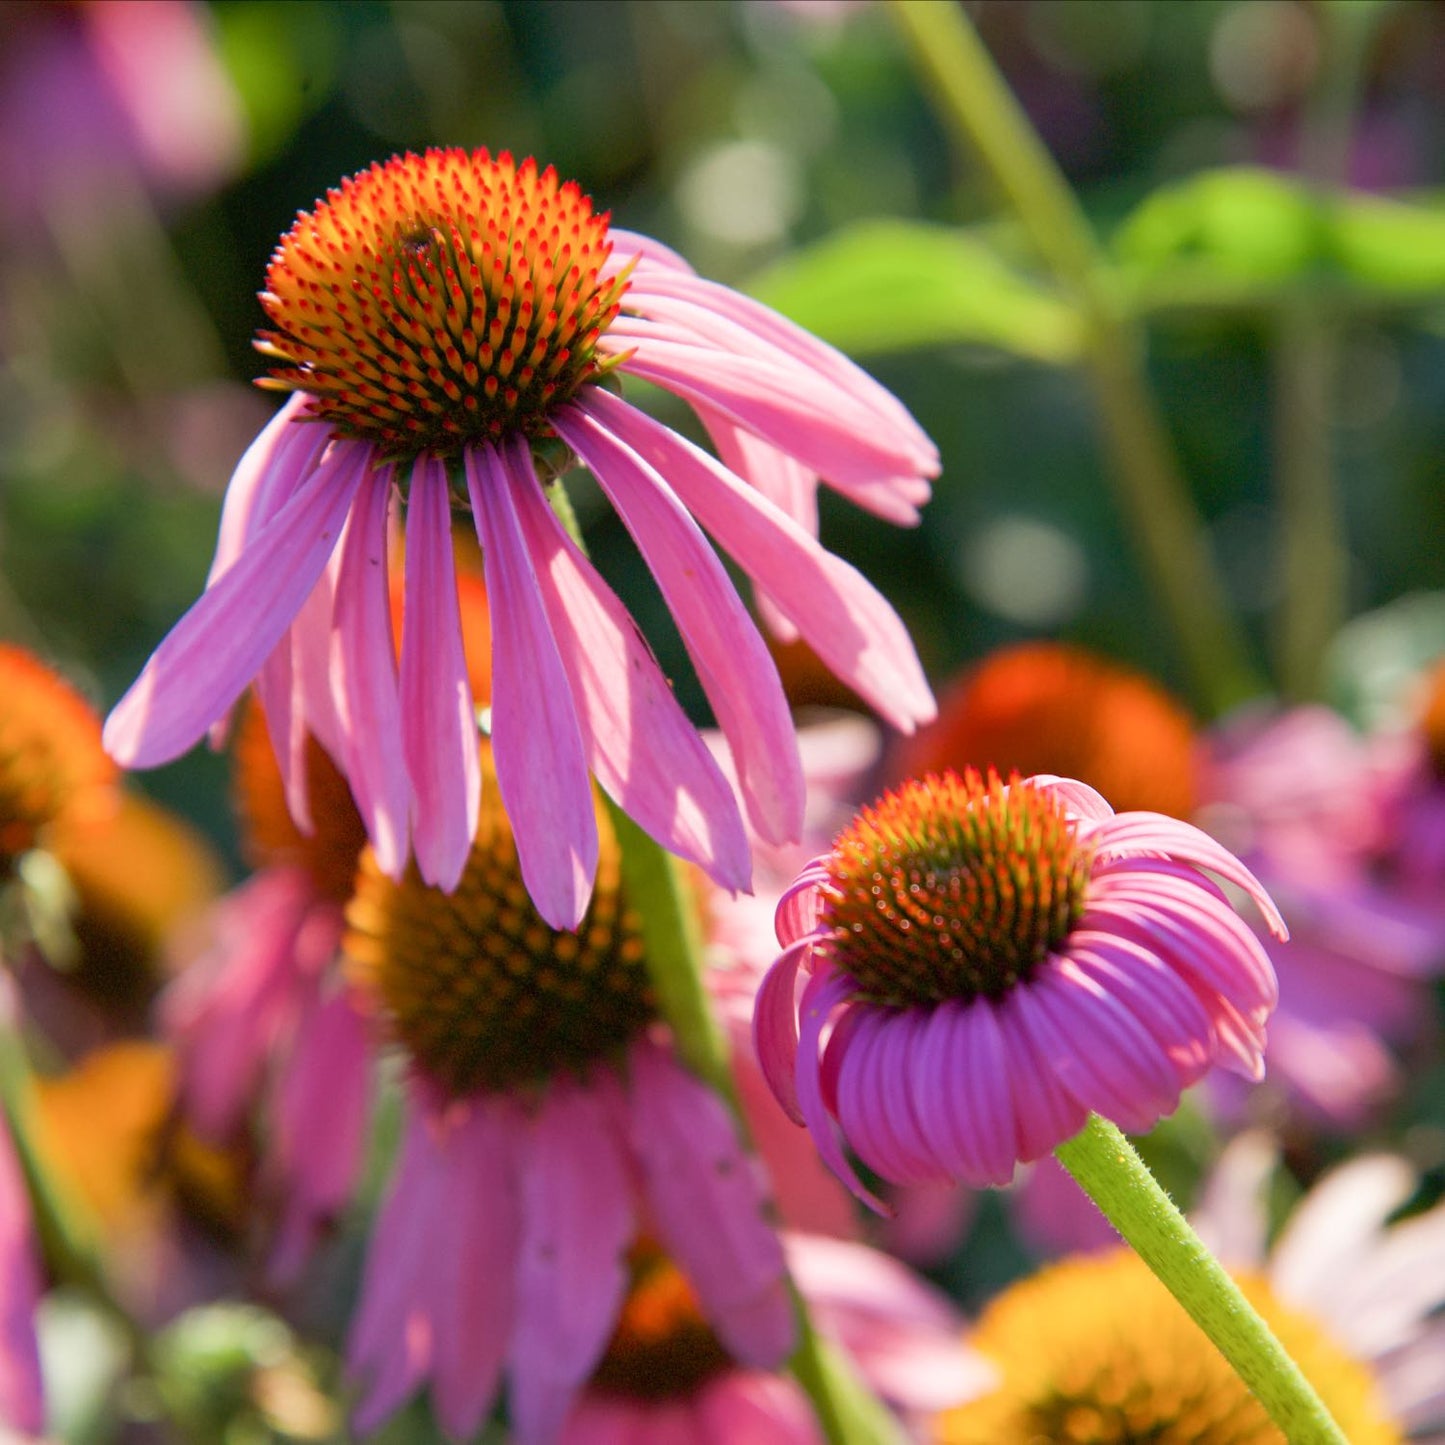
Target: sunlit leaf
(886,285)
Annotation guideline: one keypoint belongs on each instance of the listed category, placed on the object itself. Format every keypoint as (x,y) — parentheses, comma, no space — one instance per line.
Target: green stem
(985,117)
(673,945)
(1104,1163)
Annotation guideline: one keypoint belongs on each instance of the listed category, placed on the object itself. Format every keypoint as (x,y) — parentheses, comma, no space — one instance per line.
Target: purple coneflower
(454,327)
(991,963)
(549,1127)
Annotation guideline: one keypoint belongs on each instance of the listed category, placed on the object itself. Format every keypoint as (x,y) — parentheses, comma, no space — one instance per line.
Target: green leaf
(885,285)
(1245,236)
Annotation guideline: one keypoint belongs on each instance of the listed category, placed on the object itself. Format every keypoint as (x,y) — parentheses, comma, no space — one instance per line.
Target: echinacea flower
(1049,707)
(989,964)
(548,1128)
(667,1379)
(454,327)
(263,1016)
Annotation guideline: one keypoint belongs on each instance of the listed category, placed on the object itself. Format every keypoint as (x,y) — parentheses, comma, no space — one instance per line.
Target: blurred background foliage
(786,148)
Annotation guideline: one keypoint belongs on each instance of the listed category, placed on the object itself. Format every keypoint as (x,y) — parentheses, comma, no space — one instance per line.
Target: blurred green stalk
(983,115)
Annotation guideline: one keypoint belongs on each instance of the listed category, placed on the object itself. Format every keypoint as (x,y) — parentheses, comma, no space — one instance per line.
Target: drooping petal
(537,742)
(839,613)
(577,1222)
(740,679)
(364,652)
(1044,1111)
(438,720)
(706,1195)
(643,750)
(775,1027)
(22,1403)
(208,658)
(477,1284)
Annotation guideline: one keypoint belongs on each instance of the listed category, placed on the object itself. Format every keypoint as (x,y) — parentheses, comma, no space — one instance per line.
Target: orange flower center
(662,1347)
(440,299)
(1043,707)
(53,769)
(1432,720)
(481,991)
(952,887)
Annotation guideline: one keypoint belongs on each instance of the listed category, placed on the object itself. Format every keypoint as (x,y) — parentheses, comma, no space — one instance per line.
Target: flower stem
(984,116)
(1106,1166)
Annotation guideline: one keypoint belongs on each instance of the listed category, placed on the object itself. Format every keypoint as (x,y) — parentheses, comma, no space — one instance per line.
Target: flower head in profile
(549,1128)
(455,328)
(989,963)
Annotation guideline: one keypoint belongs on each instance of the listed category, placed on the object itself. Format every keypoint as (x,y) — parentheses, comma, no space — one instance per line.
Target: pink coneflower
(988,964)
(667,1379)
(263,1015)
(548,1128)
(455,327)
(1319,816)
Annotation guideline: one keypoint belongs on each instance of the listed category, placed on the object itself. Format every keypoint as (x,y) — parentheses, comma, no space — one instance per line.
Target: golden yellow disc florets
(329,853)
(662,1348)
(479,989)
(53,770)
(441,298)
(952,887)
(1096,1351)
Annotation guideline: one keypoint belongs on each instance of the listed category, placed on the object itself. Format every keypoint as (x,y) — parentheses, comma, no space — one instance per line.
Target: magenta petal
(22,1403)
(1045,1112)
(982,1109)
(208,658)
(733,665)
(438,719)
(537,743)
(775,1027)
(707,1197)
(365,670)
(577,1222)
(642,748)
(844,619)
(476,1283)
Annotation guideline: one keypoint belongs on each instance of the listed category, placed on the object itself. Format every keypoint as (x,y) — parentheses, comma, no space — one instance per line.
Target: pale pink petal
(323,1105)
(22,1403)
(1078,798)
(843,618)
(801,906)
(641,746)
(738,676)
(541,765)
(577,1222)
(1232,1213)
(364,652)
(476,1282)
(707,1195)
(632,247)
(214,651)
(438,719)
(748,1405)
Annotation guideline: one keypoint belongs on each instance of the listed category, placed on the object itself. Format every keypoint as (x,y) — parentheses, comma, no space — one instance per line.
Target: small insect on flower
(442,320)
(991,962)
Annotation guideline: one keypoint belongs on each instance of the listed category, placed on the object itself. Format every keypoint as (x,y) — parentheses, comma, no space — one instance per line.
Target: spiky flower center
(440,299)
(662,1348)
(1046,707)
(52,765)
(952,887)
(483,993)
(330,851)
(1096,1352)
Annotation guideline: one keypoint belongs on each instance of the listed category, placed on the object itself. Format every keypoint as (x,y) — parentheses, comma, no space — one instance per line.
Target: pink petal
(748,1405)
(841,615)
(438,720)
(980,1102)
(706,1195)
(874,1109)
(476,1283)
(775,1027)
(22,1402)
(641,746)
(1044,1111)
(537,742)
(207,659)
(740,679)
(577,1222)
(365,669)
